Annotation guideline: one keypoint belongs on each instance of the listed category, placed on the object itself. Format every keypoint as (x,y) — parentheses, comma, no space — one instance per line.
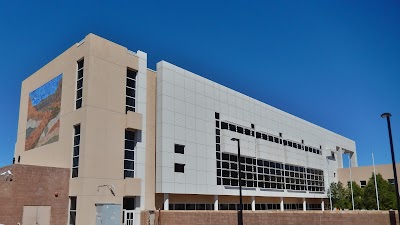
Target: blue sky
(333,63)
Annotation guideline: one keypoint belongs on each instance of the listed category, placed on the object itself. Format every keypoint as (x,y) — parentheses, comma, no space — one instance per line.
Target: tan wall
(365,172)
(103,122)
(271,217)
(58,154)
(102,160)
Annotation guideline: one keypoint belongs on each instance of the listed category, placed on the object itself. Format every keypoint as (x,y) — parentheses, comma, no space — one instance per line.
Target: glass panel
(79,94)
(75,161)
(79,84)
(128,164)
(129,144)
(130,101)
(80,64)
(77,140)
(76,150)
(80,74)
(78,104)
(77,129)
(73,203)
(131,74)
(72,218)
(129,155)
(130,83)
(130,92)
(74,172)
(128,173)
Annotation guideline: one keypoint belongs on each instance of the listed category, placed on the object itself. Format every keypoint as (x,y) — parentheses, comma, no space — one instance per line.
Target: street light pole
(240,216)
(387,116)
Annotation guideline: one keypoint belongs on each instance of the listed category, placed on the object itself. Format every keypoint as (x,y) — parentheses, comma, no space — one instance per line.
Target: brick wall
(271,218)
(34,186)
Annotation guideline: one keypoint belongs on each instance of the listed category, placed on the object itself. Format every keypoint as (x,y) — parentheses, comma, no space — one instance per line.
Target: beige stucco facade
(363,173)
(103,122)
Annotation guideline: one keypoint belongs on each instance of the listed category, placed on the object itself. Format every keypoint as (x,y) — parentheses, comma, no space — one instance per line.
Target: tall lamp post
(240,216)
(387,116)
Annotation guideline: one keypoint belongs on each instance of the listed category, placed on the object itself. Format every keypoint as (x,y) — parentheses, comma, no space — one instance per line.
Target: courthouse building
(108,138)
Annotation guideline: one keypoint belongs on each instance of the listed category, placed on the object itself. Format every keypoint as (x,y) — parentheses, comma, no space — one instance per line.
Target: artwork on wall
(43,122)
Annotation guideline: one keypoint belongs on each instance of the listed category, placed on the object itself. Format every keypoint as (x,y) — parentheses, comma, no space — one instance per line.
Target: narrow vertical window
(130,90)
(129,159)
(75,155)
(79,84)
(72,210)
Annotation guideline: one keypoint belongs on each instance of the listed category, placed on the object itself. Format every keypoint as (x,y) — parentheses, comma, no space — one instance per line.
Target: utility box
(108,214)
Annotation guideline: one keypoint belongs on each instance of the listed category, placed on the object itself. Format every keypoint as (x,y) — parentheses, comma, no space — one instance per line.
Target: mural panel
(43,122)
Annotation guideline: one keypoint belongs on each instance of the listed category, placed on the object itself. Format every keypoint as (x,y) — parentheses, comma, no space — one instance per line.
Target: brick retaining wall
(271,218)
(34,186)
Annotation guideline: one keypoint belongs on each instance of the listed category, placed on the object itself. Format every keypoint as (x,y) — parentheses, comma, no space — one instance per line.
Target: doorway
(36,215)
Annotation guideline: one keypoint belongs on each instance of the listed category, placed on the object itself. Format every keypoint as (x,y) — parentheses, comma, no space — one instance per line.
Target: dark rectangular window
(240,130)
(72,210)
(179,168)
(264,136)
(129,159)
(130,90)
(79,84)
(179,149)
(224,126)
(217,116)
(76,148)
(363,183)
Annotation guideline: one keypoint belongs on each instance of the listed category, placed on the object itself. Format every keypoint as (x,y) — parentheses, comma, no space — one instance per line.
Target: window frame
(76,135)
(129,78)
(79,79)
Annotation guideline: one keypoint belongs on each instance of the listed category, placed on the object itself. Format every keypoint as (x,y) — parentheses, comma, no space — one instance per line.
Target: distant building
(136,139)
(361,174)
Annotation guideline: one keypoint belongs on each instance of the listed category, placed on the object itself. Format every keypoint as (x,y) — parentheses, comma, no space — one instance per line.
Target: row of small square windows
(264,136)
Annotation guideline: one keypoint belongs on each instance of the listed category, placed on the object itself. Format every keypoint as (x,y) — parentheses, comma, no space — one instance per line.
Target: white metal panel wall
(186,106)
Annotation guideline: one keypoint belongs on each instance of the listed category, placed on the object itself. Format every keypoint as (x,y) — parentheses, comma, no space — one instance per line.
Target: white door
(129,217)
(36,215)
